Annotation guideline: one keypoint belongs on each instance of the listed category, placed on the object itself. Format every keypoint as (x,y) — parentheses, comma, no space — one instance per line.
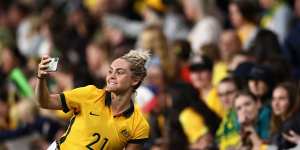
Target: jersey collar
(127,113)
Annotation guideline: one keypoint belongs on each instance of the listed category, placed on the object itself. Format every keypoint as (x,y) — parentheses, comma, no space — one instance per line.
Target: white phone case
(53,64)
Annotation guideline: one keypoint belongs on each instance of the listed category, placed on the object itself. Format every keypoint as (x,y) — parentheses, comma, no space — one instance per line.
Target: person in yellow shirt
(199,123)
(229,45)
(201,68)
(243,16)
(102,118)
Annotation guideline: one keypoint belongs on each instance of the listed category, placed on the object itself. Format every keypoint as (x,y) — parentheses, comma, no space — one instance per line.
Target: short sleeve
(141,133)
(74,99)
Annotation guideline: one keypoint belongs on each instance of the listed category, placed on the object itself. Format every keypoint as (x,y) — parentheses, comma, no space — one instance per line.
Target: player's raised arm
(43,97)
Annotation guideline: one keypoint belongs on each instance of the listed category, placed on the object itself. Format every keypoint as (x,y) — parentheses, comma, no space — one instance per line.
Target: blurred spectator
(199,122)
(31,123)
(277,17)
(152,38)
(4,110)
(211,51)
(253,121)
(229,46)
(117,39)
(243,17)
(77,27)
(33,37)
(265,46)
(176,138)
(228,133)
(262,43)
(227,90)
(175,26)
(157,106)
(6,37)
(291,45)
(153,12)
(97,58)
(166,14)
(10,66)
(241,74)
(97,8)
(130,28)
(203,15)
(201,73)
(201,78)
(183,51)
(280,68)
(155,81)
(261,84)
(16,12)
(285,106)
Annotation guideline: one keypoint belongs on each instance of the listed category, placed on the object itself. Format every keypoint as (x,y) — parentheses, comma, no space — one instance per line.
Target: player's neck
(120,102)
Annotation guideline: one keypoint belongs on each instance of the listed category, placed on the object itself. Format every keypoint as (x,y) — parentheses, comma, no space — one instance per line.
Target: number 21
(98,136)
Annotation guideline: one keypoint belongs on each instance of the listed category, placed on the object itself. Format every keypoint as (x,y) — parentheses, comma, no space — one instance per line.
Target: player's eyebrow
(117,69)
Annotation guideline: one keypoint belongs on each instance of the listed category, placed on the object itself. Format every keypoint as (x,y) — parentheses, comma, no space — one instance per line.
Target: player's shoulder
(92,88)
(89,87)
(89,91)
(95,92)
(139,116)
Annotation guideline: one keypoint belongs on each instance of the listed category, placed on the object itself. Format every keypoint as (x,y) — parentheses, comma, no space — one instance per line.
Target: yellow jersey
(214,103)
(193,124)
(93,125)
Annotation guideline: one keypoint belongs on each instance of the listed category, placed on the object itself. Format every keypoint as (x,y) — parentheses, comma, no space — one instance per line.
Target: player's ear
(135,81)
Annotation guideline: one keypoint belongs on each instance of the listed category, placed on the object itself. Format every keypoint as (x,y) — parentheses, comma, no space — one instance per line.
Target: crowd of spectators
(223,74)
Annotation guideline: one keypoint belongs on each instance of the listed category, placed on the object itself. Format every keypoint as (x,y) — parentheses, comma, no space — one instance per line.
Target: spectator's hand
(254,138)
(43,66)
(292,137)
(203,143)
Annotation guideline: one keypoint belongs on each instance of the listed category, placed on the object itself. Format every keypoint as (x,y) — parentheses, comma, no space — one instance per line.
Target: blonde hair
(159,47)
(137,60)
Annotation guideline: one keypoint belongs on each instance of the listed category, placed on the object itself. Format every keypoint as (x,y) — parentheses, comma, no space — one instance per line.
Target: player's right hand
(43,66)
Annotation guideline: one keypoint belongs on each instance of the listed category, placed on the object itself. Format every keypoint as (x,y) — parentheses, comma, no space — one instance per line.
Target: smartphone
(52,66)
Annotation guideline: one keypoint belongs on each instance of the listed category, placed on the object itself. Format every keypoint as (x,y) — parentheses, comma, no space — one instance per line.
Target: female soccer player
(103,118)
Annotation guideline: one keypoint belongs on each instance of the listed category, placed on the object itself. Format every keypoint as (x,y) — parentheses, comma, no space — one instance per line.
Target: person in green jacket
(9,66)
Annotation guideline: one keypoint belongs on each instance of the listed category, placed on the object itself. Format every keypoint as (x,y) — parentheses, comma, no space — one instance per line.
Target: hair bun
(141,54)
(138,59)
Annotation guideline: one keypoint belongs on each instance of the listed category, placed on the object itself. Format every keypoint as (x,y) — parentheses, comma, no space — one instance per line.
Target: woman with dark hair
(261,83)
(285,107)
(253,122)
(11,67)
(243,17)
(265,45)
(198,121)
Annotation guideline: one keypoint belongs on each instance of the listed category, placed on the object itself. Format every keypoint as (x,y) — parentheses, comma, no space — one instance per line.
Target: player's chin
(110,89)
